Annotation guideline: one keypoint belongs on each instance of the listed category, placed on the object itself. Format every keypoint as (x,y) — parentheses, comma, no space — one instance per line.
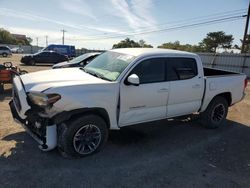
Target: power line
(178,22)
(181,22)
(209,22)
(226,13)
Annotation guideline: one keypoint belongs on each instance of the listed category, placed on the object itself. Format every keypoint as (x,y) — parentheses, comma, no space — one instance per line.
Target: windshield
(109,65)
(79,58)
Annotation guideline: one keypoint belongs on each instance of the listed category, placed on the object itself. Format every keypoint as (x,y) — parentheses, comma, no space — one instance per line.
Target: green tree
(184,47)
(128,43)
(7,38)
(143,44)
(247,44)
(216,40)
(29,40)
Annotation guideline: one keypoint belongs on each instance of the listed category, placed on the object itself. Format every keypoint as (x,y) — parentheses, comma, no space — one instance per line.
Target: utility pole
(246,30)
(36,41)
(63,31)
(46,39)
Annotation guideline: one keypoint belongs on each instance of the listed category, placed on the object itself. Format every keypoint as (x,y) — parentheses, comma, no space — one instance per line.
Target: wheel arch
(226,95)
(67,115)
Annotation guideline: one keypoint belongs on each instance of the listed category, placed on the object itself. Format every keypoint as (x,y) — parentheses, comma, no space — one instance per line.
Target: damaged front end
(30,111)
(41,129)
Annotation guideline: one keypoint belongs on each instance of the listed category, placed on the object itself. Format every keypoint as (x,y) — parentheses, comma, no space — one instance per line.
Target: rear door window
(181,68)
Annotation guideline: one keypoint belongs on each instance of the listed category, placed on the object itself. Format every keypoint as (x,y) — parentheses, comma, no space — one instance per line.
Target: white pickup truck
(73,109)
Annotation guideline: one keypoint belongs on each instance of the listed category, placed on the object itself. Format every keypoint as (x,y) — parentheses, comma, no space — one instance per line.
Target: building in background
(19,36)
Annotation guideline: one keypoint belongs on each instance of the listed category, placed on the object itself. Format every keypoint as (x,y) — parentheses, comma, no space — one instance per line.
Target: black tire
(69,135)
(1,88)
(216,113)
(32,62)
(4,54)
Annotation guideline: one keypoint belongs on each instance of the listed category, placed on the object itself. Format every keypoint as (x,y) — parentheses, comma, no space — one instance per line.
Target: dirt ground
(157,154)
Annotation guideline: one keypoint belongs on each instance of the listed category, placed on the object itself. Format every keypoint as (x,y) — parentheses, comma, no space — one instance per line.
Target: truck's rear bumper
(47,143)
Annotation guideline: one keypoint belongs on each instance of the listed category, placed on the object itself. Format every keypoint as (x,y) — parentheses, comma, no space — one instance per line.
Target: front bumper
(46,142)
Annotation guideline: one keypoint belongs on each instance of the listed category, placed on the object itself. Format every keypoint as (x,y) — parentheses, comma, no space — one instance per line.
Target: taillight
(245,83)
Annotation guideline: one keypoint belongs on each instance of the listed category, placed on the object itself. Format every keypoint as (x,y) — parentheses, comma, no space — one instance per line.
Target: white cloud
(143,9)
(32,17)
(79,7)
(137,14)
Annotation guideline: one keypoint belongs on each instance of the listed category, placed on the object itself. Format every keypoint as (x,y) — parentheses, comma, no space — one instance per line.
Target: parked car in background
(74,109)
(17,50)
(44,57)
(79,61)
(5,51)
(67,50)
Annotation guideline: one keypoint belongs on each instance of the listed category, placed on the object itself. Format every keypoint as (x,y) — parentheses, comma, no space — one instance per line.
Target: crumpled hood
(42,80)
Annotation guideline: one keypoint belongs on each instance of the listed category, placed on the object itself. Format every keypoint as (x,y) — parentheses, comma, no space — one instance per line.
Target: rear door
(56,58)
(186,86)
(147,101)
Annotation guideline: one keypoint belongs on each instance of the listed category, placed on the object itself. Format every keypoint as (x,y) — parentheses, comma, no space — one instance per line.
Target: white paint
(51,137)
(143,103)
(22,97)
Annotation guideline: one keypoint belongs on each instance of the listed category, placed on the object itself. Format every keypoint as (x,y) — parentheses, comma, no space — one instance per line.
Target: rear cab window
(179,68)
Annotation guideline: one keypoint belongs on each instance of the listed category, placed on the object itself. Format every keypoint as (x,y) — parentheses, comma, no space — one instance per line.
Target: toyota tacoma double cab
(73,109)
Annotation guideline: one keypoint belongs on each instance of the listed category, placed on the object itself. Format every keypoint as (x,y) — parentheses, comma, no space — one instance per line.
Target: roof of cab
(150,51)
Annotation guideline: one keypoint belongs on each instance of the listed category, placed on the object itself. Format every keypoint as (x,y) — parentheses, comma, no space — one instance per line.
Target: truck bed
(219,81)
(217,72)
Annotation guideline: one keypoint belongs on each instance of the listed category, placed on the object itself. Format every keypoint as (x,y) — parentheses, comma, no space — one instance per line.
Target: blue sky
(90,24)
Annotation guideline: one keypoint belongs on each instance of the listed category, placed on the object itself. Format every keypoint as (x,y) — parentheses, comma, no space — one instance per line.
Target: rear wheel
(216,113)
(4,54)
(83,136)
(32,62)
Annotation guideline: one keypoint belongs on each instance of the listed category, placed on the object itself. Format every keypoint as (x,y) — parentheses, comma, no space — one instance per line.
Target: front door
(148,101)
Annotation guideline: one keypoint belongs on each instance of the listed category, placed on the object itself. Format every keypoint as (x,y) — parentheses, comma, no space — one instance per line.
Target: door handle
(196,86)
(163,90)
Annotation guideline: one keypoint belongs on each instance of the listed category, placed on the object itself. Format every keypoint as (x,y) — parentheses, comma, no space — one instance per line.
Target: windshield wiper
(95,74)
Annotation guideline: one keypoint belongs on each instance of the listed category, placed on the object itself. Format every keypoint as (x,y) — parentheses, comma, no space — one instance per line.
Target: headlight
(42,99)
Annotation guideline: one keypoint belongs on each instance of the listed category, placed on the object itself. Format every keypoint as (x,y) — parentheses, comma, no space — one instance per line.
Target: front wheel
(83,136)
(216,113)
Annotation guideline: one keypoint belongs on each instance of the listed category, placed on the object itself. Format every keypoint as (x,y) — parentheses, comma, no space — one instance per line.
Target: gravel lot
(158,154)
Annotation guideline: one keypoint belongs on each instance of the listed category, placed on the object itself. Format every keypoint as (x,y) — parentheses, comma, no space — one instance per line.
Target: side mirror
(133,79)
